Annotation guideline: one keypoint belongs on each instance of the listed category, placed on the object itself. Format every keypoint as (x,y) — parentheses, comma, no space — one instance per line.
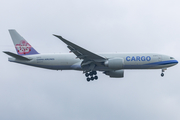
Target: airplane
(111,64)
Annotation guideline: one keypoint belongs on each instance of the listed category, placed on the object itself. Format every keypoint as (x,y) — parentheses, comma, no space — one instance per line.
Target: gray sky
(99,26)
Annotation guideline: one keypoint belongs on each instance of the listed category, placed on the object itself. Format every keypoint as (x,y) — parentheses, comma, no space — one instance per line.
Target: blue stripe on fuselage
(163,62)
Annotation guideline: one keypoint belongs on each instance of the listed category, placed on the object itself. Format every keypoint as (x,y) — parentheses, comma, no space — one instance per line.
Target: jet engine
(114,63)
(115,74)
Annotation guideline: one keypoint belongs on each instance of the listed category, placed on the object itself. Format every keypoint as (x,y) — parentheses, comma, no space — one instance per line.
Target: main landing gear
(91,76)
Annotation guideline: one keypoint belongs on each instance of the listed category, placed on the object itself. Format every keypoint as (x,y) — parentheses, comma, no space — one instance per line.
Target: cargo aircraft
(111,64)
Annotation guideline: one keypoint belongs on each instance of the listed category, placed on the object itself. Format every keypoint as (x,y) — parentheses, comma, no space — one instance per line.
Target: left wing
(80,52)
(88,57)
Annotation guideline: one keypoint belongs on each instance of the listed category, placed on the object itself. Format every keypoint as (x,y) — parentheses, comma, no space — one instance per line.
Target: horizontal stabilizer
(19,57)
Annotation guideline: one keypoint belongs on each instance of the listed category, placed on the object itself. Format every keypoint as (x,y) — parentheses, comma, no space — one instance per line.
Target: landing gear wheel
(96,77)
(162,74)
(86,74)
(94,72)
(91,73)
(92,78)
(88,79)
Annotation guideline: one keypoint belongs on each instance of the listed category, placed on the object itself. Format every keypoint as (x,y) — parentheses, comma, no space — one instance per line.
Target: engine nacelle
(115,74)
(115,63)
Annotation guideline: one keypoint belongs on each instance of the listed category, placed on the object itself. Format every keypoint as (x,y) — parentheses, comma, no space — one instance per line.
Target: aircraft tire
(91,74)
(162,74)
(86,74)
(88,79)
(94,72)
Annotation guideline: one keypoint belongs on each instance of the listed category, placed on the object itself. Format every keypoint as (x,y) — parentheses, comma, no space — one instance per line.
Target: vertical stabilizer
(21,45)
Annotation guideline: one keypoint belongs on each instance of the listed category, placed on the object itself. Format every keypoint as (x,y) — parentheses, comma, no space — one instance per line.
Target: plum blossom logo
(23,47)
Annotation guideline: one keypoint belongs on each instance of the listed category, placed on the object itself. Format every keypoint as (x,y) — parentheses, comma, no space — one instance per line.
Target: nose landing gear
(91,76)
(162,74)
(163,70)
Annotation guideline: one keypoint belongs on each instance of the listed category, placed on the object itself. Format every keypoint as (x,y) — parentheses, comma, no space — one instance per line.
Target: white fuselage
(111,64)
(68,61)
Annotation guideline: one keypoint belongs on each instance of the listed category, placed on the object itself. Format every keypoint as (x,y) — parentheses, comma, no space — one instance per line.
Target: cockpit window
(171,58)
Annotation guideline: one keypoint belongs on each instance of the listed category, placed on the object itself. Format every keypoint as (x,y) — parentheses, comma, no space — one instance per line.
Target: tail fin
(21,45)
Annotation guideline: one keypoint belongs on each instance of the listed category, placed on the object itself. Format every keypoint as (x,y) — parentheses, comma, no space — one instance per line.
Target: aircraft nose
(176,62)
